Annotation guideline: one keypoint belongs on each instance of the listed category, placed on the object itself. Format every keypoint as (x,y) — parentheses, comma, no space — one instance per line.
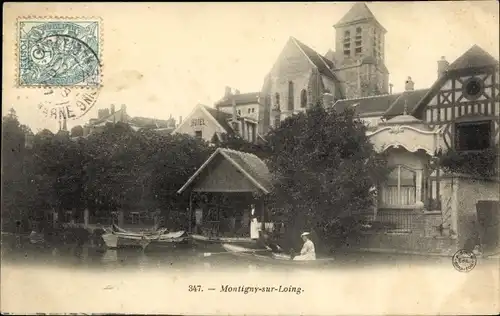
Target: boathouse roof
(249,173)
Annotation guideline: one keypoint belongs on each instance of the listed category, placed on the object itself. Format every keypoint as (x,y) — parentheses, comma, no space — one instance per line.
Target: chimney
(227,91)
(236,91)
(443,65)
(112,108)
(390,88)
(235,117)
(327,100)
(409,84)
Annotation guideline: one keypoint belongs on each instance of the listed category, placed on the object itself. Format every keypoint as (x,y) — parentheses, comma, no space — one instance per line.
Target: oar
(208,254)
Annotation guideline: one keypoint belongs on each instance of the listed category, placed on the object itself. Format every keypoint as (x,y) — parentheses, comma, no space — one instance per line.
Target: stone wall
(469,192)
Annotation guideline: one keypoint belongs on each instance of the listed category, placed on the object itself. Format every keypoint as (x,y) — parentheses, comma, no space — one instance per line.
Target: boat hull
(273,258)
(123,240)
(216,243)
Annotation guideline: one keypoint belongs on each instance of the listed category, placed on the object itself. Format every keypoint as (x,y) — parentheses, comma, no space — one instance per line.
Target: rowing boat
(215,243)
(119,237)
(168,240)
(115,240)
(273,258)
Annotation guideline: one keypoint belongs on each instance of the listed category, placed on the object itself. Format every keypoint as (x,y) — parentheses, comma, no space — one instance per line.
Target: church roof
(330,55)
(251,166)
(359,12)
(241,99)
(323,65)
(475,57)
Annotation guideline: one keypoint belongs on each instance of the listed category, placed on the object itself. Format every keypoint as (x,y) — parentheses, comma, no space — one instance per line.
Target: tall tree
(15,184)
(324,168)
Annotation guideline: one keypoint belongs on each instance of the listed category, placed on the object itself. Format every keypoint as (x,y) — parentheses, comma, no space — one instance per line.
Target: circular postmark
(67,103)
(464,261)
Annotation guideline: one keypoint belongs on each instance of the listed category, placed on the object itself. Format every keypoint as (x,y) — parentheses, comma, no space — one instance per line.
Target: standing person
(308,251)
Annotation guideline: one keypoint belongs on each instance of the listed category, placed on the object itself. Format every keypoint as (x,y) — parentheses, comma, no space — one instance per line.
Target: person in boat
(267,242)
(308,251)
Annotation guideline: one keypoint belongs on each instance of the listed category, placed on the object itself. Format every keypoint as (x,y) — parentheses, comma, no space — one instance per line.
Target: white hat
(304,234)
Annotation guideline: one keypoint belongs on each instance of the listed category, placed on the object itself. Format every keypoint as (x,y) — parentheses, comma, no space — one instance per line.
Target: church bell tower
(360,53)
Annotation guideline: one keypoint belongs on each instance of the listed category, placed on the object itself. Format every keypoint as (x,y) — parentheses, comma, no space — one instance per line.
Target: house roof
(221,117)
(147,121)
(389,105)
(378,103)
(323,65)
(252,167)
(241,99)
(358,12)
(475,57)
(108,118)
(407,101)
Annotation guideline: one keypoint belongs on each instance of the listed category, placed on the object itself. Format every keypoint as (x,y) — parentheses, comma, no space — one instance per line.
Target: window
(290,96)
(277,121)
(303,98)
(358,50)
(253,110)
(239,112)
(473,88)
(198,134)
(347,36)
(134,218)
(249,110)
(277,101)
(347,43)
(472,135)
(400,187)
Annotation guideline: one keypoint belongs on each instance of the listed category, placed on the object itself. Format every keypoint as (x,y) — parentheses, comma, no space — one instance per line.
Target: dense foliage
(117,168)
(483,163)
(325,169)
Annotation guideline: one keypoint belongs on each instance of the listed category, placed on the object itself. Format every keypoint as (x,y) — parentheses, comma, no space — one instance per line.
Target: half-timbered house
(428,203)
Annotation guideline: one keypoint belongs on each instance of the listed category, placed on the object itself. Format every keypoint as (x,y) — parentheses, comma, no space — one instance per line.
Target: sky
(162,59)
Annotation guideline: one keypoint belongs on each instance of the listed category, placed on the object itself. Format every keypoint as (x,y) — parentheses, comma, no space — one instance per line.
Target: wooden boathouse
(227,193)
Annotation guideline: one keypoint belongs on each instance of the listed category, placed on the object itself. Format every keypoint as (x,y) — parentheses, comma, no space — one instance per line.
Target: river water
(67,278)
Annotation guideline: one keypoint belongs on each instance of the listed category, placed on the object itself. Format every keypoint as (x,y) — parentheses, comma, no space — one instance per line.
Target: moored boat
(171,239)
(115,240)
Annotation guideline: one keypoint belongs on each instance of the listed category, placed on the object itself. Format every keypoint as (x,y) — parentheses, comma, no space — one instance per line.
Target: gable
(222,176)
(200,120)
(291,61)
(475,57)
(452,97)
(450,89)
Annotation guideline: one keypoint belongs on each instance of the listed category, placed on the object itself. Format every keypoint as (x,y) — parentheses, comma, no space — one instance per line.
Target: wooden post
(262,216)
(190,212)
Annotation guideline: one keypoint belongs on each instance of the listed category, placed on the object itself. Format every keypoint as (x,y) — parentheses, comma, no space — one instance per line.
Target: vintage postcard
(305,158)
